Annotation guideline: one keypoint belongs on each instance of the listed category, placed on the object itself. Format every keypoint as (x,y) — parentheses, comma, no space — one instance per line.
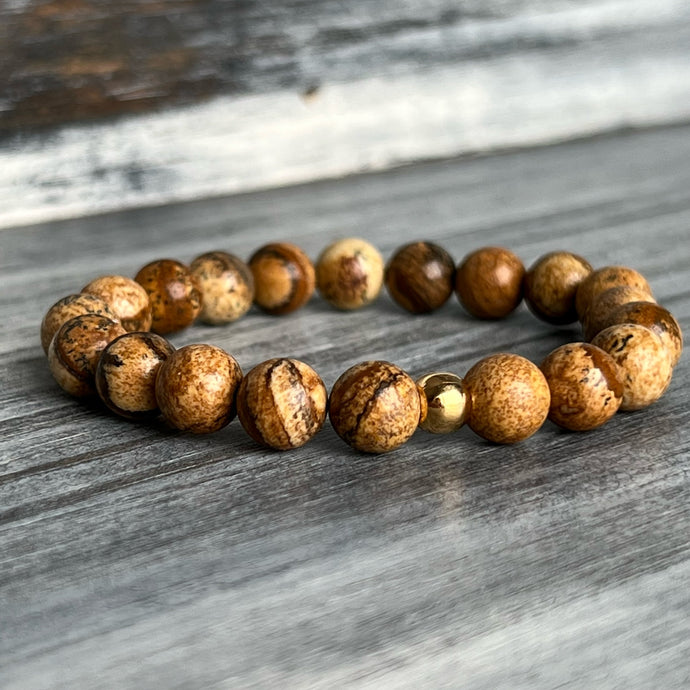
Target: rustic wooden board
(133,556)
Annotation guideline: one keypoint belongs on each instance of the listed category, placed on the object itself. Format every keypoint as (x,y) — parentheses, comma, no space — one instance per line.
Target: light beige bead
(349,273)
(126,298)
(605,302)
(447,402)
(645,361)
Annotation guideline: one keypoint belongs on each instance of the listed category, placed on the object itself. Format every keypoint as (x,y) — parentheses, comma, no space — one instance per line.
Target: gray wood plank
(134,556)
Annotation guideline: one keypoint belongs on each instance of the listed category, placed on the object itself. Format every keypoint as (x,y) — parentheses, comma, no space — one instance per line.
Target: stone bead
(281,403)
(69,307)
(550,286)
(196,388)
(284,278)
(603,279)
(645,361)
(420,277)
(127,299)
(226,285)
(126,373)
(174,294)
(510,398)
(375,407)
(488,282)
(586,386)
(654,317)
(447,402)
(349,273)
(75,349)
(605,302)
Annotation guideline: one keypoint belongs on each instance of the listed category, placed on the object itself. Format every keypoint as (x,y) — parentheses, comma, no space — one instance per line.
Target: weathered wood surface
(132,556)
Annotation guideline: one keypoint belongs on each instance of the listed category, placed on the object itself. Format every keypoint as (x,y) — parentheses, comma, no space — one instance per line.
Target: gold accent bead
(448,403)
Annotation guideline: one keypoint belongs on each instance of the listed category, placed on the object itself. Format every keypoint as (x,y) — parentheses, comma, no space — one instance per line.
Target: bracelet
(108,341)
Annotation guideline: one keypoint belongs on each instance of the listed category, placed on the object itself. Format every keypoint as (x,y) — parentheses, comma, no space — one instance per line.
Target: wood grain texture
(134,556)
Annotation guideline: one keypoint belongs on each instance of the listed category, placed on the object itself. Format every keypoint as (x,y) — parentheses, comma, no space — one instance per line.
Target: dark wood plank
(133,556)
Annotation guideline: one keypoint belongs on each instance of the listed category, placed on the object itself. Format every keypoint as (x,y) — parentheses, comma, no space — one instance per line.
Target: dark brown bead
(551,284)
(282,403)
(488,282)
(284,278)
(174,294)
(605,302)
(420,277)
(127,299)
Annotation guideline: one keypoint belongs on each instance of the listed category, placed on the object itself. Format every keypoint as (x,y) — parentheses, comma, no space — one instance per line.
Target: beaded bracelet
(108,340)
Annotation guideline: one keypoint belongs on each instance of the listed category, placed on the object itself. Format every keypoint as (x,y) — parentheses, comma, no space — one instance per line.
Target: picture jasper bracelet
(108,341)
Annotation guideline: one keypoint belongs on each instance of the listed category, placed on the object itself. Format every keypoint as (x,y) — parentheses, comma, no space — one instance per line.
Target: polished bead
(69,307)
(645,361)
(510,398)
(75,349)
(603,279)
(196,388)
(586,386)
(127,299)
(605,302)
(654,317)
(420,277)
(447,402)
(174,294)
(551,283)
(488,282)
(281,403)
(126,373)
(375,407)
(226,285)
(284,278)
(349,273)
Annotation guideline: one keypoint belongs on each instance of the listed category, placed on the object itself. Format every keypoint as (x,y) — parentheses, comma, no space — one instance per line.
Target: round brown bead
(69,307)
(420,277)
(126,373)
(284,278)
(447,402)
(645,361)
(281,403)
(510,398)
(605,302)
(375,407)
(127,299)
(75,349)
(174,294)
(196,388)
(349,273)
(654,317)
(226,285)
(586,386)
(604,279)
(488,282)
(550,286)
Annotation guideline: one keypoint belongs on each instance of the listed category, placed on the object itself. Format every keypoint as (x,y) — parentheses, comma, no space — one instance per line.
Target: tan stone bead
(654,317)
(586,386)
(605,302)
(603,279)
(281,403)
(174,294)
(196,388)
(645,361)
(284,278)
(375,407)
(69,307)
(226,285)
(349,273)
(447,402)
(550,286)
(510,398)
(488,282)
(128,300)
(126,373)
(75,349)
